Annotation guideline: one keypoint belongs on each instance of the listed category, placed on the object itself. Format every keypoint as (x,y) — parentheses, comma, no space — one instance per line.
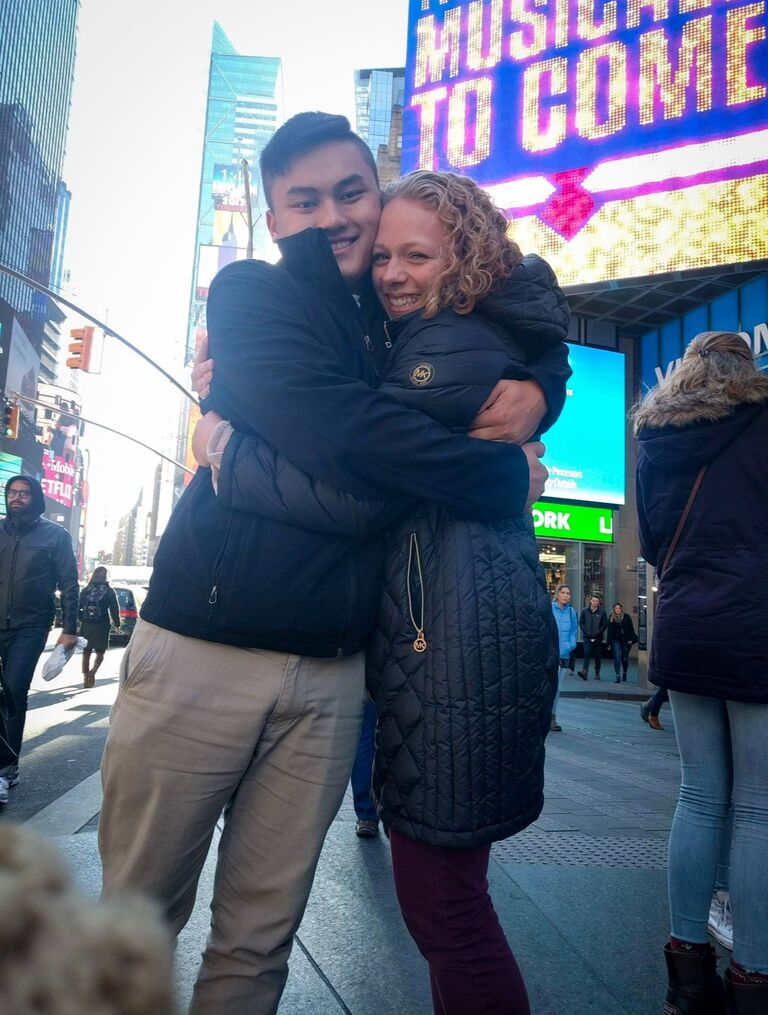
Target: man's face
(19,496)
(331,188)
(594,603)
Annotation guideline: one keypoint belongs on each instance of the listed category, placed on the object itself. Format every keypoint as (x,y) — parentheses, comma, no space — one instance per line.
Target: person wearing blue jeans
(702,480)
(620,635)
(367,825)
(724,756)
(567,634)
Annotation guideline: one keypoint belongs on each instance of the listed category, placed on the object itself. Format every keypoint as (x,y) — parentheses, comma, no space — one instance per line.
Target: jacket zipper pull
(420,644)
(214,596)
(388,340)
(368,343)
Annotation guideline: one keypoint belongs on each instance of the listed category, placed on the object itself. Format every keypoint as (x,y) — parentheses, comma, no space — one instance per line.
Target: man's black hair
(300,135)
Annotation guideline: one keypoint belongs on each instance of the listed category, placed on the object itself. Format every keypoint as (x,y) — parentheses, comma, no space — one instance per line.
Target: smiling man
(242,687)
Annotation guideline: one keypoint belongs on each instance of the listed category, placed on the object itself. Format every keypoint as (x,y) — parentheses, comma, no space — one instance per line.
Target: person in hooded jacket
(98,602)
(621,636)
(463,664)
(703,465)
(36,558)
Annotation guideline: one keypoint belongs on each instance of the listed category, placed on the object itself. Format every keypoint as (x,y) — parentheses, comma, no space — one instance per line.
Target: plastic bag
(59,658)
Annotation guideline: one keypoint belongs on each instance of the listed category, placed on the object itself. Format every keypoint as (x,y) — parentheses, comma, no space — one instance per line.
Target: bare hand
(538,472)
(202,435)
(512,412)
(67,640)
(202,371)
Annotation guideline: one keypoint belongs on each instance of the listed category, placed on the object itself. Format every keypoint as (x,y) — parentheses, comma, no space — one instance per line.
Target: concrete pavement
(581,893)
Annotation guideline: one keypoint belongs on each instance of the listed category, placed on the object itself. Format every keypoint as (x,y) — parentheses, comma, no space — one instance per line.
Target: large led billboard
(585,448)
(623,137)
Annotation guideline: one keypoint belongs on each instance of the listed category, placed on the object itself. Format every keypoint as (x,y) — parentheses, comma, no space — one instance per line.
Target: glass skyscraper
(37,58)
(377,92)
(244,108)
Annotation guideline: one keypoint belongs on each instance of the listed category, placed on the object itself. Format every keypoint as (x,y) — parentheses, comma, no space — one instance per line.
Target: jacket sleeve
(630,630)
(581,621)
(114,607)
(80,604)
(274,377)
(66,578)
(574,629)
(551,370)
(256,478)
(603,624)
(648,545)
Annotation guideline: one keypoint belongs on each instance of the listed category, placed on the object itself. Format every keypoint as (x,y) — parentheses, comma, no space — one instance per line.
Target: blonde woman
(702,486)
(463,666)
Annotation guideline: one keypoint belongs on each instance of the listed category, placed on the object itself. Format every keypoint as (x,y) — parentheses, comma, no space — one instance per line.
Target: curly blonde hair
(480,255)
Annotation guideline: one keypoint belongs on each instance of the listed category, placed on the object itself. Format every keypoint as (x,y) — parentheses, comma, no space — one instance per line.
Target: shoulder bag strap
(683,519)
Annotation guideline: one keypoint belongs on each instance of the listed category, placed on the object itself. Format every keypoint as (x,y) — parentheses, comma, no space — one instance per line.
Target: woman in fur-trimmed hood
(710,649)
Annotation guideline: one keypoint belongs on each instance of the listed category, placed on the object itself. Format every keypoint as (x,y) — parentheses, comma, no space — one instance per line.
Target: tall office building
(379,116)
(37,57)
(244,108)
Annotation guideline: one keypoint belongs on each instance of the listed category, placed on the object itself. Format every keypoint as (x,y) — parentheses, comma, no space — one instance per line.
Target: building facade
(379,116)
(37,60)
(244,108)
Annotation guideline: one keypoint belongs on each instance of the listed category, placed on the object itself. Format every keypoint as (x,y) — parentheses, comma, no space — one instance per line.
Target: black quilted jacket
(462,724)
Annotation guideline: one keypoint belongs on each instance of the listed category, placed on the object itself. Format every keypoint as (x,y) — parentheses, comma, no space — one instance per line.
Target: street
(581,893)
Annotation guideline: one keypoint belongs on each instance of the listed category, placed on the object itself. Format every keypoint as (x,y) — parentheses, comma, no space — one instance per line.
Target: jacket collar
(308,257)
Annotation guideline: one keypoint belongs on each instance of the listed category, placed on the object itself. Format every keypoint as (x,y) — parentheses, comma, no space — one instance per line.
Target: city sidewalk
(581,893)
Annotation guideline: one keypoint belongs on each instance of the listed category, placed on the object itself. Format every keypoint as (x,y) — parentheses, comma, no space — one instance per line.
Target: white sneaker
(3,790)
(720,924)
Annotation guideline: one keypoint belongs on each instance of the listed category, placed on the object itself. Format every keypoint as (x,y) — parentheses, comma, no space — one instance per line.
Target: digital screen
(622,138)
(585,448)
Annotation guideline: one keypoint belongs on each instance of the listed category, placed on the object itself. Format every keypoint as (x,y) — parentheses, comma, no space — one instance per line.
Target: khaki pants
(267,737)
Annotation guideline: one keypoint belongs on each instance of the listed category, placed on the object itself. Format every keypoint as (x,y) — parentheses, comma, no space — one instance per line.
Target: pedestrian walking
(98,604)
(620,635)
(367,823)
(702,486)
(650,709)
(593,622)
(243,686)
(36,558)
(567,633)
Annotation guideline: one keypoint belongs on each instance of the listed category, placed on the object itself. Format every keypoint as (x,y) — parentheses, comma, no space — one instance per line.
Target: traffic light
(11,420)
(80,348)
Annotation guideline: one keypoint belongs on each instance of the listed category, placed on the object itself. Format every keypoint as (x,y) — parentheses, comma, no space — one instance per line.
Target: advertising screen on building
(585,448)
(623,137)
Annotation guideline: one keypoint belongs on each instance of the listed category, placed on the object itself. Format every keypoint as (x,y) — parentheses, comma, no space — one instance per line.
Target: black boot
(745,998)
(694,986)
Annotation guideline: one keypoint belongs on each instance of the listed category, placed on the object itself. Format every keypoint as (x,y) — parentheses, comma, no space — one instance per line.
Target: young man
(36,558)
(593,622)
(243,684)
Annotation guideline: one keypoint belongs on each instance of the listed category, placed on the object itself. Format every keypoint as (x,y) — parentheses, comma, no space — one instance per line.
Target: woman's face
(617,610)
(564,596)
(410,253)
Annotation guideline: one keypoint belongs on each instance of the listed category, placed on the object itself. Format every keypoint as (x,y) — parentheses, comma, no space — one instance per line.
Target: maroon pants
(443,895)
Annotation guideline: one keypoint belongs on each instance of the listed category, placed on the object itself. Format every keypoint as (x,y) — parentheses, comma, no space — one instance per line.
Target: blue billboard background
(585,448)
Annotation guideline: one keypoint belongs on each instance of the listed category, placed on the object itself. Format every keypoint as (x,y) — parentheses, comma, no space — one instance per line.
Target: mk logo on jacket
(422,374)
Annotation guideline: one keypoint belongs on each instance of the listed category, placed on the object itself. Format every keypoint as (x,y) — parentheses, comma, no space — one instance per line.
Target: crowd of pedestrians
(369,454)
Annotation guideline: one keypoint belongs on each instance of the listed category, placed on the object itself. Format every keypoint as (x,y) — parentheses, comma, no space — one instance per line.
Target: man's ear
(272,224)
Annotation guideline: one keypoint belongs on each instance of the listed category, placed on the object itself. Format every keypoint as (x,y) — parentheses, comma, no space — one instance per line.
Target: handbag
(683,520)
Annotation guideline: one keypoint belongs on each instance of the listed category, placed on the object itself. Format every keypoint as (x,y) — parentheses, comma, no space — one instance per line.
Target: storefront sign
(573,521)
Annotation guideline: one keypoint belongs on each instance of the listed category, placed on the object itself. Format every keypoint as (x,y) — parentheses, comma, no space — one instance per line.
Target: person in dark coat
(98,603)
(593,622)
(463,665)
(712,415)
(620,635)
(36,558)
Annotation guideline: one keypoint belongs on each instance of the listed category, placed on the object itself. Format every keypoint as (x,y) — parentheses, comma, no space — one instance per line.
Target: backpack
(95,604)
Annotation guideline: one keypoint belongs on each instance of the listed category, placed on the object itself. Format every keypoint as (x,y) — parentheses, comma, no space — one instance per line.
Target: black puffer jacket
(709,631)
(460,743)
(36,557)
